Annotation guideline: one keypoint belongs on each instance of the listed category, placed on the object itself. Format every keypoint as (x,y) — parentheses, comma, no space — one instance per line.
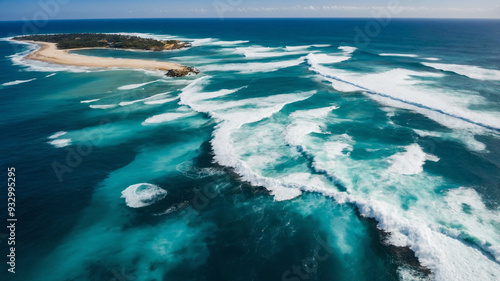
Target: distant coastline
(49,52)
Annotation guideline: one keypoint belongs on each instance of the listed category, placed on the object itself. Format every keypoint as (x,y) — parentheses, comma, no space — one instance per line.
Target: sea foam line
(89,101)
(297,130)
(135,86)
(153,97)
(234,119)
(372,92)
(17,82)
(471,71)
(57,134)
(398,55)
(423,239)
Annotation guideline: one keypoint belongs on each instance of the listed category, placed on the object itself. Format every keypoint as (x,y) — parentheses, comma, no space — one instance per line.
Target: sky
(92,9)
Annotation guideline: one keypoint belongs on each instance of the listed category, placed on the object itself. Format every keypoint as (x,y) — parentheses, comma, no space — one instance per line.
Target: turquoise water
(299,153)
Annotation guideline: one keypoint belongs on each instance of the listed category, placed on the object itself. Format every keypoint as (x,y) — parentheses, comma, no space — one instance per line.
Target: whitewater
(392,154)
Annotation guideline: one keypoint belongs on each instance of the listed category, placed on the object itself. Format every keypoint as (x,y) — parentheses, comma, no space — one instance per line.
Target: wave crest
(142,195)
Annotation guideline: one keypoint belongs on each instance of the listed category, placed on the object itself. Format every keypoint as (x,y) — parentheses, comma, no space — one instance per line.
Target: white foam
(89,101)
(478,217)
(225,156)
(343,87)
(135,86)
(430,157)
(50,75)
(321,45)
(34,65)
(313,113)
(268,52)
(211,42)
(432,59)
(176,81)
(379,194)
(423,133)
(60,142)
(464,136)
(103,106)
(160,101)
(297,130)
(17,82)
(409,274)
(40,66)
(474,72)
(399,55)
(447,257)
(142,195)
(295,48)
(403,88)
(232,116)
(255,67)
(302,124)
(411,161)
(467,137)
(220,93)
(125,103)
(153,97)
(165,117)
(339,148)
(348,49)
(227,43)
(256,49)
(198,95)
(325,59)
(450,259)
(58,134)
(194,60)
(151,72)
(318,59)
(199,42)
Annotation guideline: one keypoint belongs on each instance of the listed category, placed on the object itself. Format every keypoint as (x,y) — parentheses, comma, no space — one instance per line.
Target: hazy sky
(84,9)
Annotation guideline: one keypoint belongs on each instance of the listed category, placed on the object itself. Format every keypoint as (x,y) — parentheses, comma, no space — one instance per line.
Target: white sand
(50,53)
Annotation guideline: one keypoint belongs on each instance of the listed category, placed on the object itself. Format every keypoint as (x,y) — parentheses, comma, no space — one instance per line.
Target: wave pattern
(273,126)
(420,105)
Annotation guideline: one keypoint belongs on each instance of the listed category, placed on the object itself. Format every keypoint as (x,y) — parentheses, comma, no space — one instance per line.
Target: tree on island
(101,40)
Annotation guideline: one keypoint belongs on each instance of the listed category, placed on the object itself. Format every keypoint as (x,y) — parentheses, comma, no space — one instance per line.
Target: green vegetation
(96,40)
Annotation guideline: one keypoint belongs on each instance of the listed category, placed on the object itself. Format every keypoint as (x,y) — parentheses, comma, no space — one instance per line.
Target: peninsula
(55,49)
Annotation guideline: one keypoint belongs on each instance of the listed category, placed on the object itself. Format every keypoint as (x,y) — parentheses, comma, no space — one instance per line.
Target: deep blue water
(303,151)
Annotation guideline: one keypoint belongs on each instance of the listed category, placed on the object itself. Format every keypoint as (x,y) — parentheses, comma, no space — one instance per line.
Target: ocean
(306,149)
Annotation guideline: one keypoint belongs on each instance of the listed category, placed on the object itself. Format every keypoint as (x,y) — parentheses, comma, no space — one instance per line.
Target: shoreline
(50,53)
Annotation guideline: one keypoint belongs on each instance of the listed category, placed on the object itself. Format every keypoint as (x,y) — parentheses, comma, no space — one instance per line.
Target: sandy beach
(50,53)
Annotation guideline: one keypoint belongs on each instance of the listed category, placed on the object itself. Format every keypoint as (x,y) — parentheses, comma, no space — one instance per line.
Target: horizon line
(221,19)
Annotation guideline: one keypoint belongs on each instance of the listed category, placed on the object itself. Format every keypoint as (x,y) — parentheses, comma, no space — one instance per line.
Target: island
(55,49)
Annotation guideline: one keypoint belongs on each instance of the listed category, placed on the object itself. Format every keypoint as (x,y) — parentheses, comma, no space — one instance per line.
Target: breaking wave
(142,195)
